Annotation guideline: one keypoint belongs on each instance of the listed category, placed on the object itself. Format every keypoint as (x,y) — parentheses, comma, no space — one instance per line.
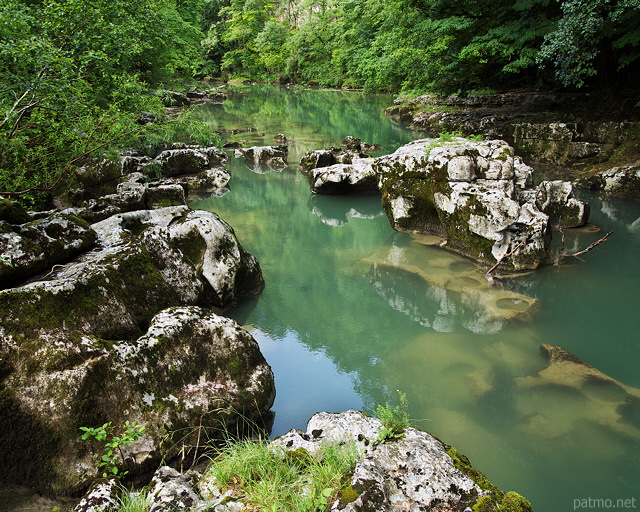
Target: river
(354,311)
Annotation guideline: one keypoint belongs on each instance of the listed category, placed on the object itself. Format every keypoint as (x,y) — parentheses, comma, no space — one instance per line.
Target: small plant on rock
(113,447)
(395,419)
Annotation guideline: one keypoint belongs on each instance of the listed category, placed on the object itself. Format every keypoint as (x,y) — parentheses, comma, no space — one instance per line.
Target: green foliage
(296,482)
(395,419)
(423,45)
(131,432)
(587,30)
(75,78)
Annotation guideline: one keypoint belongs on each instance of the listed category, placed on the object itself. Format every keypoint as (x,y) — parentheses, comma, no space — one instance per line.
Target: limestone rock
(589,396)
(182,161)
(97,175)
(273,157)
(327,157)
(473,194)
(411,472)
(172,491)
(62,367)
(192,367)
(165,194)
(102,496)
(355,178)
(37,246)
(555,199)
(617,181)
(12,212)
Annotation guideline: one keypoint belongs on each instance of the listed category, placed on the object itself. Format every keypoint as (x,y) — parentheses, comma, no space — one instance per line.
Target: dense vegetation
(74,80)
(425,45)
(76,74)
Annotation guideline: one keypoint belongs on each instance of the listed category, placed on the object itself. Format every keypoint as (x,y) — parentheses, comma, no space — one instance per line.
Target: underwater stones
(473,194)
(357,177)
(36,246)
(580,394)
(447,284)
(274,157)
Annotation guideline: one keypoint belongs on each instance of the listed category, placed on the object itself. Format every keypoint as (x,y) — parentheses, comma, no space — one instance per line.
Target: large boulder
(36,246)
(476,195)
(182,161)
(89,344)
(412,471)
(357,177)
(351,149)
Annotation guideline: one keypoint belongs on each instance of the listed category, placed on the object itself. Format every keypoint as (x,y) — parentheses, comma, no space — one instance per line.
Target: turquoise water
(353,311)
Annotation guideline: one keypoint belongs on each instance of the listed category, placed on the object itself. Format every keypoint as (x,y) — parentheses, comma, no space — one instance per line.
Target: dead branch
(502,258)
(594,244)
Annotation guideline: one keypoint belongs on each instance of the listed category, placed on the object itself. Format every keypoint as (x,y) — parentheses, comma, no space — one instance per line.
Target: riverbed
(353,312)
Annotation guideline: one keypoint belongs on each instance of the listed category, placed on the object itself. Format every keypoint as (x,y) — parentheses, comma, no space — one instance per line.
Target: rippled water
(353,311)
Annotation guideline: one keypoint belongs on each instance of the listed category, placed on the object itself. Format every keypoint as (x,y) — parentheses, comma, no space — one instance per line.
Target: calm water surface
(353,311)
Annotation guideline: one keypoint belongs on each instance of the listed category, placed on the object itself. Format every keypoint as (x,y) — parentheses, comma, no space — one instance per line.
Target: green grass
(267,479)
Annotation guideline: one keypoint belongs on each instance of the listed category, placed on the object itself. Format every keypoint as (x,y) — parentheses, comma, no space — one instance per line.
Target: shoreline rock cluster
(478,196)
(414,471)
(115,321)
(573,132)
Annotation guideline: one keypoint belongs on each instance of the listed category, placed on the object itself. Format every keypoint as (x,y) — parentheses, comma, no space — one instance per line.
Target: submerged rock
(582,394)
(73,348)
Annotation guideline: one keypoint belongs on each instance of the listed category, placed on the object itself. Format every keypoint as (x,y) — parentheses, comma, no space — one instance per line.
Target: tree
(588,31)
(75,72)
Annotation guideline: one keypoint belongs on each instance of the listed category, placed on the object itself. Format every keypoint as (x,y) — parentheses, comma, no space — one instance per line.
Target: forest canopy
(77,74)
(441,46)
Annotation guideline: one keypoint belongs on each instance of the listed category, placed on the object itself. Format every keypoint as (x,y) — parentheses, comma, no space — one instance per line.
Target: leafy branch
(113,445)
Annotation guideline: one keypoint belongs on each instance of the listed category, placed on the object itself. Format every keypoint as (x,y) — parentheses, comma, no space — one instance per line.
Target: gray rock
(174,98)
(273,157)
(358,177)
(412,472)
(182,161)
(555,199)
(171,491)
(62,368)
(165,194)
(102,496)
(37,246)
(618,181)
(96,173)
(473,194)
(12,212)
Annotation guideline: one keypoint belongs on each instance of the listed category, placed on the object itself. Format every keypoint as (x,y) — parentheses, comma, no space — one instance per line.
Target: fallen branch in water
(502,258)
(594,244)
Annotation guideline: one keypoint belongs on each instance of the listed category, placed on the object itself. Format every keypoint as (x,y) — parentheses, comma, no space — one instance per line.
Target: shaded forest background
(75,74)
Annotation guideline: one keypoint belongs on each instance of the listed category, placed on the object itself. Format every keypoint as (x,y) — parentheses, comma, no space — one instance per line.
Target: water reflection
(444,291)
(336,212)
(353,311)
